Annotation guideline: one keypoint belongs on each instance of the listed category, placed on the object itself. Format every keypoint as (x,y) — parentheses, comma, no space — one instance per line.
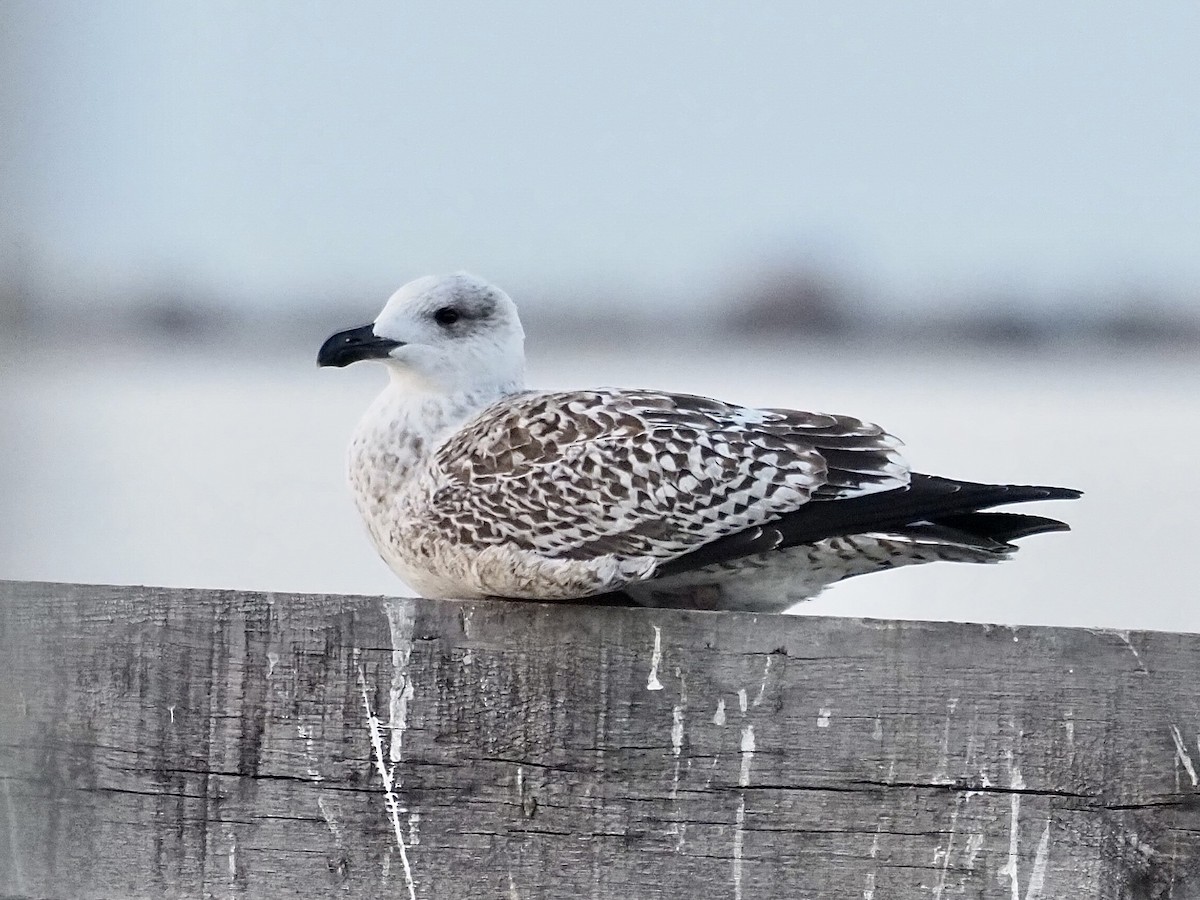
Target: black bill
(350,346)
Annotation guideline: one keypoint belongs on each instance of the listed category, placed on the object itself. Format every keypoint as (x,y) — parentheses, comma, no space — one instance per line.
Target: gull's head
(443,333)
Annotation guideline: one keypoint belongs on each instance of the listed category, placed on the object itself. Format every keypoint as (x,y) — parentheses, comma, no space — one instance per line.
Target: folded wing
(584,474)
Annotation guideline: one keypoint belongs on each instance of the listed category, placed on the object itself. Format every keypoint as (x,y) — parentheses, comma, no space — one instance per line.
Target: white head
(442,334)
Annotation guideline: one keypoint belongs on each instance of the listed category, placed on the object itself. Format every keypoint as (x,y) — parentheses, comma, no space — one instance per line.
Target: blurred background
(977,225)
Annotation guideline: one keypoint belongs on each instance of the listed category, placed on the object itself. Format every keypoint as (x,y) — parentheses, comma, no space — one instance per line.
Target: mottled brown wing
(578,475)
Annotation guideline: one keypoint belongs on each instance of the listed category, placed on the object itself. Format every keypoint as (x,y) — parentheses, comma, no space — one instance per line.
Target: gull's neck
(434,414)
(409,384)
(411,417)
(434,409)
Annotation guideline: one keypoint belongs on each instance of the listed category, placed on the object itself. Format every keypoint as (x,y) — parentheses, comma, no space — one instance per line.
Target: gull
(473,485)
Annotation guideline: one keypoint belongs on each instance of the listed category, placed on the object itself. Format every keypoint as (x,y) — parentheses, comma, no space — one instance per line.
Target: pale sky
(273,150)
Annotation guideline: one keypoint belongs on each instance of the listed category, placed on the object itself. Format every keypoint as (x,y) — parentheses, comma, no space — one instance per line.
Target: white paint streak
(652,682)
(414,829)
(869,882)
(677,733)
(742,700)
(739,831)
(232,856)
(739,837)
(1016,781)
(171,713)
(763,687)
(676,751)
(1041,861)
(1124,636)
(942,775)
(974,845)
(747,755)
(513,893)
(823,715)
(943,856)
(400,613)
(385,776)
(272,662)
(719,716)
(1182,755)
(1009,869)
(331,821)
(602,709)
(310,757)
(877,733)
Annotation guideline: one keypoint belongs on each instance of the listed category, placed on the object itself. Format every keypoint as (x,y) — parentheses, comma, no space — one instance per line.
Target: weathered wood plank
(203,743)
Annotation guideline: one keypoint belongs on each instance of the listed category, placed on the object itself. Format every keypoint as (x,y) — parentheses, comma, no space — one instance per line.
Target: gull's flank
(472,485)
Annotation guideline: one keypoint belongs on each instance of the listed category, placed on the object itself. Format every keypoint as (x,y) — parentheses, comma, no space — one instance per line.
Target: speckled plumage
(473,486)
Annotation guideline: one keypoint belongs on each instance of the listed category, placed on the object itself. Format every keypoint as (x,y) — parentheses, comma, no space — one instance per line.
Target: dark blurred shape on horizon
(800,305)
(803,301)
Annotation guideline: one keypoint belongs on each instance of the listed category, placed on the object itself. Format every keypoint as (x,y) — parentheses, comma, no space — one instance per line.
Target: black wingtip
(1002,527)
(1056,493)
(983,495)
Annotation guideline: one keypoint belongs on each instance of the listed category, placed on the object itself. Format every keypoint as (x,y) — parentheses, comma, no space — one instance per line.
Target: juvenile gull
(472,485)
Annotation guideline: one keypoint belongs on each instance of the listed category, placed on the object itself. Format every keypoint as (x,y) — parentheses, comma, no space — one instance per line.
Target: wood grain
(185,743)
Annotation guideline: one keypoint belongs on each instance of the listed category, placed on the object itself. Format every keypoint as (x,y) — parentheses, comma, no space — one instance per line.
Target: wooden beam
(190,743)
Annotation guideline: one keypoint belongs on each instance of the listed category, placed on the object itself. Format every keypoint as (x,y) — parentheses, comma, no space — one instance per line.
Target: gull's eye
(447,315)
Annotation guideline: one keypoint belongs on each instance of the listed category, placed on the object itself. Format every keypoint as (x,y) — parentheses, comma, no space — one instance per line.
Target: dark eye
(447,315)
